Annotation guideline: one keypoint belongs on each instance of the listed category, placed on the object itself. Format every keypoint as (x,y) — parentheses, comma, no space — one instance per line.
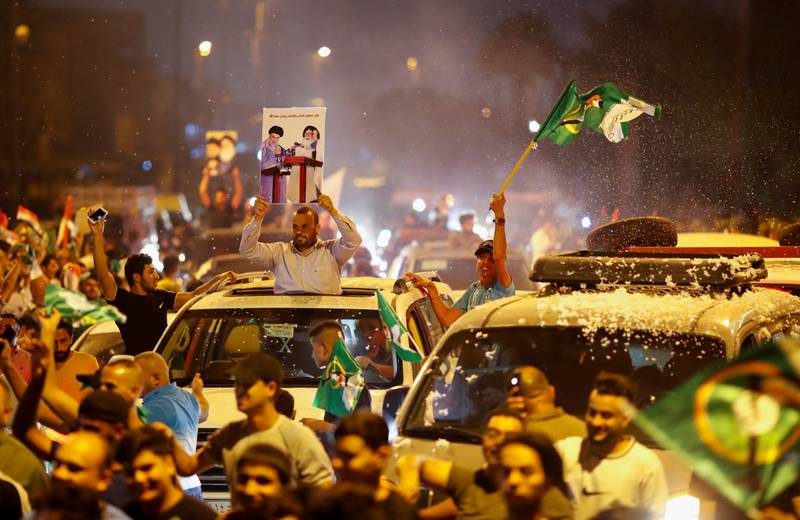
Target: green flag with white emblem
(77,309)
(341,383)
(737,425)
(606,109)
(408,352)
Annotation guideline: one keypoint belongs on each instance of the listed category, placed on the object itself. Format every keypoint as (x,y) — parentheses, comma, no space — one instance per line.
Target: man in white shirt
(608,467)
(306,264)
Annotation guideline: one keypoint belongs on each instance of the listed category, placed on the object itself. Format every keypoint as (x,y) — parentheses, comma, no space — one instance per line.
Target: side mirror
(392,400)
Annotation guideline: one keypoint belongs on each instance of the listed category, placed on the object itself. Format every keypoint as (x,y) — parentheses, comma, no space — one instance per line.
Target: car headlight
(682,507)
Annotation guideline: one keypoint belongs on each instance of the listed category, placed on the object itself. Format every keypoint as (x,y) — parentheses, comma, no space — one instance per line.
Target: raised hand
(326,203)
(423,284)
(261,207)
(498,204)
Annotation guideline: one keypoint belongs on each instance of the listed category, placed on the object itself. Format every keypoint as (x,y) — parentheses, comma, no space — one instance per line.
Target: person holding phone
(145,306)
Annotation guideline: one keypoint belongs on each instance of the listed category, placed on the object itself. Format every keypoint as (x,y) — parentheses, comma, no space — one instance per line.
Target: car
(212,332)
(229,262)
(103,340)
(456,265)
(659,318)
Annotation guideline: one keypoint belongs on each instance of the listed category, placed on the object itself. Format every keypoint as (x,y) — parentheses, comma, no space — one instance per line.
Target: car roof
(703,239)
(358,293)
(665,309)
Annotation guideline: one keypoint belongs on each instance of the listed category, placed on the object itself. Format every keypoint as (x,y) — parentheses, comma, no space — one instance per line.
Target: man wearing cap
(257,380)
(306,264)
(495,281)
(531,394)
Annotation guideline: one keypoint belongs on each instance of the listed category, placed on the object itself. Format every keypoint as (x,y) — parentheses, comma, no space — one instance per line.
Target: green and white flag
(341,383)
(408,352)
(77,309)
(606,109)
(737,425)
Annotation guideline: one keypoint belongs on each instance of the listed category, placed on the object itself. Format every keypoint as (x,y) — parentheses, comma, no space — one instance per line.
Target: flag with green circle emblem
(737,425)
(341,383)
(606,109)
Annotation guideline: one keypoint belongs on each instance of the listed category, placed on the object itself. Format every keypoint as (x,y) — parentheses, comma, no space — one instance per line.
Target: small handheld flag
(341,383)
(408,353)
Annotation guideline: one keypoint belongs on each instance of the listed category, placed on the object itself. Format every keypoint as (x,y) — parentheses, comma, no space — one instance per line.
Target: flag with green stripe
(402,342)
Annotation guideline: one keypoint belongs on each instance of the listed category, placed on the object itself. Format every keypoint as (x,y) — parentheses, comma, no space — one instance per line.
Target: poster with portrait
(221,184)
(292,154)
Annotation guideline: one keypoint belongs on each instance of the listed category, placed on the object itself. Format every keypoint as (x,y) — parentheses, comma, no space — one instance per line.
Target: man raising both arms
(306,264)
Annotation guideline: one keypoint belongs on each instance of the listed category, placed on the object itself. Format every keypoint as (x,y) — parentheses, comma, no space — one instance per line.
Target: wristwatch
(500,221)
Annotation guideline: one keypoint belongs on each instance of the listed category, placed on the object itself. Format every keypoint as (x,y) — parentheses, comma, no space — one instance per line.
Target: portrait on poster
(291,155)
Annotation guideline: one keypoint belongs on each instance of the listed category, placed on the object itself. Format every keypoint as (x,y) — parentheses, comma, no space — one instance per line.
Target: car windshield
(459,273)
(467,379)
(212,341)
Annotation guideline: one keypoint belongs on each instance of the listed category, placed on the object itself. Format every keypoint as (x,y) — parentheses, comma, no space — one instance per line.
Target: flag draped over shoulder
(77,309)
(341,383)
(738,425)
(606,109)
(408,352)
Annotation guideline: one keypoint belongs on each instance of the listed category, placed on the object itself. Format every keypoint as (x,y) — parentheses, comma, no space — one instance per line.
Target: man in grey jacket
(306,264)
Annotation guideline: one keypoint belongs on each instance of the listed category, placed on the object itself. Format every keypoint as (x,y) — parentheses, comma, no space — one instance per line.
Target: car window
(103,346)
(467,379)
(212,341)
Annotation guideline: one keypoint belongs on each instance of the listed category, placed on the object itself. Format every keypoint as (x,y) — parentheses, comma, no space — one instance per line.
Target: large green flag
(606,109)
(77,309)
(341,383)
(737,425)
(398,331)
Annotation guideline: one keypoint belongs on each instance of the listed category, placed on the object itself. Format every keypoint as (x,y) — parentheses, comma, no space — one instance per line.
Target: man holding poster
(306,264)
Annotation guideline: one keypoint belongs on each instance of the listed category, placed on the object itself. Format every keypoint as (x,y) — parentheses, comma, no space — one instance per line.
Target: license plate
(219,506)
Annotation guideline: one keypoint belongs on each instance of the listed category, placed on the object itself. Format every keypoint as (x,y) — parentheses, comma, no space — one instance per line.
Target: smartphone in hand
(98,215)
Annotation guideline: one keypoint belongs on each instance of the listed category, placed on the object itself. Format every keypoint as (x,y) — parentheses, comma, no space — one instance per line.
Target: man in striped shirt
(306,264)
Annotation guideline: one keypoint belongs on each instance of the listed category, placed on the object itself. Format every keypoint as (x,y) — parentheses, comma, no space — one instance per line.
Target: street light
(534,126)
(412,64)
(204,48)
(324,52)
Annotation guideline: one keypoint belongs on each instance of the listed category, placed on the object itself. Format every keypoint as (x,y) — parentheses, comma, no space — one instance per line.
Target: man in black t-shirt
(152,474)
(144,306)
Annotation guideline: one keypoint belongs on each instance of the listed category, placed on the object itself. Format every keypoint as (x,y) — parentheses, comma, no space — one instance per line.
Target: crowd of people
(120,441)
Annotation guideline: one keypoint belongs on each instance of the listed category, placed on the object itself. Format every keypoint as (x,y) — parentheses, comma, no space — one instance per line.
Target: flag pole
(531,146)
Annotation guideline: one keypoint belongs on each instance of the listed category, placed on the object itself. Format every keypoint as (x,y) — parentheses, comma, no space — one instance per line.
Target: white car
(599,313)
(104,340)
(212,332)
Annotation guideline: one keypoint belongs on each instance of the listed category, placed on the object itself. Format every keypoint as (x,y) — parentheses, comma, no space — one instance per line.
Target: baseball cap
(105,406)
(487,246)
(258,367)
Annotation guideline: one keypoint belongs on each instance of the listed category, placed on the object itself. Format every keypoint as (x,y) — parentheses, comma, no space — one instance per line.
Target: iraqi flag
(30,218)
(402,342)
(606,109)
(66,228)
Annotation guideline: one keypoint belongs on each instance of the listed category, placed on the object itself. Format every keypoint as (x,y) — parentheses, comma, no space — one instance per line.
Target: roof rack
(669,269)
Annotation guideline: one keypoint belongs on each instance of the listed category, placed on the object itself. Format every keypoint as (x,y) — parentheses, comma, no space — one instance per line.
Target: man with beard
(151,471)
(83,462)
(474,494)
(360,456)
(306,264)
(529,465)
(145,306)
(70,364)
(494,283)
(609,467)
(257,379)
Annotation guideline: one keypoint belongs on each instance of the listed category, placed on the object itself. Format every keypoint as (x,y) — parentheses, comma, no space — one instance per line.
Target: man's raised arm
(497,206)
(250,247)
(107,283)
(347,245)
